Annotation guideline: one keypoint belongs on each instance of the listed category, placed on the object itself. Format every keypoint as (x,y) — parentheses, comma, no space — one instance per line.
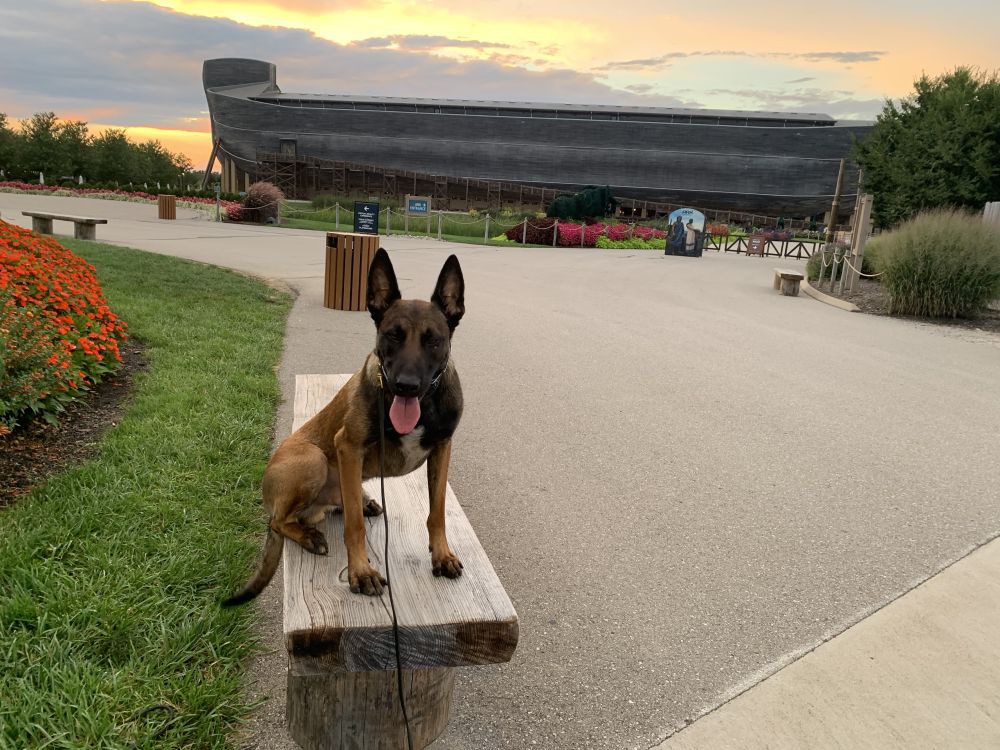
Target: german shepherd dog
(320,466)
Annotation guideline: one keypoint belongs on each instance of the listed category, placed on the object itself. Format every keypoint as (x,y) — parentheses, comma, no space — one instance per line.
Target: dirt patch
(36,451)
(870,296)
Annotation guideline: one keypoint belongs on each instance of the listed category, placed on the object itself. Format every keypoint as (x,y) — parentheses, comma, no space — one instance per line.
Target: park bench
(84,228)
(787,281)
(342,685)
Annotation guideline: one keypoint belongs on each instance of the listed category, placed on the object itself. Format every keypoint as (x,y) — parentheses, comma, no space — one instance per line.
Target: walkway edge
(816,294)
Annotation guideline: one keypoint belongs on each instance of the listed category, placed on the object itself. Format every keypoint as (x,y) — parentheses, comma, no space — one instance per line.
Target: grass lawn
(110,573)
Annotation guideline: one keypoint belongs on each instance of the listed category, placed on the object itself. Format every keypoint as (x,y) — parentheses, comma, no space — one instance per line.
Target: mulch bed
(872,299)
(36,450)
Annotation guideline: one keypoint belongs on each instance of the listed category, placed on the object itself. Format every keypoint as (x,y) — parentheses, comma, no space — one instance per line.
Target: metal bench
(341,656)
(84,228)
(787,281)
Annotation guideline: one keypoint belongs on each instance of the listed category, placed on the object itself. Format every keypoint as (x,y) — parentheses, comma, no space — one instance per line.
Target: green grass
(110,573)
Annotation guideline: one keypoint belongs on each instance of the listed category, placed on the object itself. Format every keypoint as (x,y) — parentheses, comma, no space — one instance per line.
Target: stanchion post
(864,227)
(524,232)
(439,224)
(555,232)
(336,209)
(582,232)
(486,231)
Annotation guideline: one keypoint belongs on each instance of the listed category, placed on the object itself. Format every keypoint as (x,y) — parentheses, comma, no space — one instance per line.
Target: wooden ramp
(342,685)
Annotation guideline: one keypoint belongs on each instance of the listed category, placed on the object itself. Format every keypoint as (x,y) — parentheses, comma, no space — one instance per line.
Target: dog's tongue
(404,414)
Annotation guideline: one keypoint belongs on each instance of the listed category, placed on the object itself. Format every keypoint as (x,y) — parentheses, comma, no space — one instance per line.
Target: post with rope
(388,221)
(486,232)
(555,232)
(336,211)
(440,213)
(524,232)
(864,228)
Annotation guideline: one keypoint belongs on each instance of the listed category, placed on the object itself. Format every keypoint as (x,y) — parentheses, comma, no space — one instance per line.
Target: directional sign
(366,217)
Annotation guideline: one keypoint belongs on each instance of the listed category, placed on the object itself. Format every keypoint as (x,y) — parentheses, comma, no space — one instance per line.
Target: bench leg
(83,231)
(360,710)
(777,281)
(40,225)
(790,287)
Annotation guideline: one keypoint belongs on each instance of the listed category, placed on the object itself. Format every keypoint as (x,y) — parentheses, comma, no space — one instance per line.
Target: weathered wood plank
(442,622)
(64,217)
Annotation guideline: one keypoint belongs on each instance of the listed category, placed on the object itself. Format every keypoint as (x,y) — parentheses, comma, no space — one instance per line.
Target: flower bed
(105,194)
(57,333)
(539,232)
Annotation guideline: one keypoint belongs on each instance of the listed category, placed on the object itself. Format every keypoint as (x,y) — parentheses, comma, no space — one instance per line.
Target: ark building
(488,154)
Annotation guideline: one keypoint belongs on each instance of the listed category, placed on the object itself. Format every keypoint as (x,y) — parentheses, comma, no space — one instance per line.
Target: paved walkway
(684,480)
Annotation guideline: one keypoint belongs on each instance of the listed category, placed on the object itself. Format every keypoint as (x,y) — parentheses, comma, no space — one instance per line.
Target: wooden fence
(798,249)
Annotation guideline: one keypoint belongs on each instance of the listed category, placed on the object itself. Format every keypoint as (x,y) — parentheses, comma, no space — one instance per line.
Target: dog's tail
(273,544)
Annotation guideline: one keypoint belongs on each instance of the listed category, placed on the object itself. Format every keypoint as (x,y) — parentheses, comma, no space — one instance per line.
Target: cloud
(640,88)
(805,79)
(662,61)
(423,42)
(832,102)
(143,64)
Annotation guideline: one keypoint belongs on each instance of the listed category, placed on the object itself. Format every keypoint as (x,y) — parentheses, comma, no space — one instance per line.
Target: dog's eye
(395,335)
(434,342)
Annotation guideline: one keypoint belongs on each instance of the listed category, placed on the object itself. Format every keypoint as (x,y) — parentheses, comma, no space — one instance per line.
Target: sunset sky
(126,63)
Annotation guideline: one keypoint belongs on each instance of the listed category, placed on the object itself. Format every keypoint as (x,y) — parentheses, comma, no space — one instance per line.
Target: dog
(320,467)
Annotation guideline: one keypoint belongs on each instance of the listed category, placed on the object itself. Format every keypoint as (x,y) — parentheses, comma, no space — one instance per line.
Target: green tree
(938,147)
(10,147)
(73,139)
(42,150)
(112,157)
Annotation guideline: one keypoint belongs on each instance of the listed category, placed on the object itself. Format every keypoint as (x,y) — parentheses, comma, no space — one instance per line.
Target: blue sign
(417,206)
(366,217)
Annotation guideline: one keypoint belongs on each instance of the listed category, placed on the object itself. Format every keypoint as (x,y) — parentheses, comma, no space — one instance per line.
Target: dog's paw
(448,566)
(367,581)
(314,541)
(372,508)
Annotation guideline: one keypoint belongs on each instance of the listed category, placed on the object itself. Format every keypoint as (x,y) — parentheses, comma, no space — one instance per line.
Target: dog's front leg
(443,560)
(364,579)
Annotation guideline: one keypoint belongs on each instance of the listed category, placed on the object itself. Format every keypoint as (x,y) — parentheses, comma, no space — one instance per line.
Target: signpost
(685,233)
(366,217)
(418,205)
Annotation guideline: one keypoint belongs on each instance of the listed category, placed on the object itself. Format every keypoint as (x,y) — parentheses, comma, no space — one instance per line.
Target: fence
(798,249)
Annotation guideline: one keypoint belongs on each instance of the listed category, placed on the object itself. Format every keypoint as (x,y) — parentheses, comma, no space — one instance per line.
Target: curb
(816,294)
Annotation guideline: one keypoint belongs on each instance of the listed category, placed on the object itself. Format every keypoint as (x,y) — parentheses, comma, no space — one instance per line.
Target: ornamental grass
(58,336)
(942,263)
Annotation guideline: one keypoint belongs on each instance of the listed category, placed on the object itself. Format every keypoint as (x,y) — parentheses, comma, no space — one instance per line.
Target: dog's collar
(383,376)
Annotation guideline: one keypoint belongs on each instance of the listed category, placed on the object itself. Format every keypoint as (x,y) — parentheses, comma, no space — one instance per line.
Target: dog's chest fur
(410,454)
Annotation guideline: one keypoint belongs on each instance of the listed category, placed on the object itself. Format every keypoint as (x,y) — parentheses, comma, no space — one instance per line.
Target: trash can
(348,257)
(167,206)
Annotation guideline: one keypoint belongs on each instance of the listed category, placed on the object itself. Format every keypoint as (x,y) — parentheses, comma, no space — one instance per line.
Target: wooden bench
(84,228)
(342,669)
(787,281)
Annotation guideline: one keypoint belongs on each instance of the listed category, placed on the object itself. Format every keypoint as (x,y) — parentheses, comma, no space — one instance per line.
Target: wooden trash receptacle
(348,257)
(167,206)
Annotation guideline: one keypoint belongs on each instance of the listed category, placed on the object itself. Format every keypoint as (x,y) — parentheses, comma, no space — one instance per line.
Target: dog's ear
(449,294)
(383,289)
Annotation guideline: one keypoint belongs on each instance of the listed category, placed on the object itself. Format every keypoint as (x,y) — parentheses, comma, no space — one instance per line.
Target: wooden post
(991,212)
(582,232)
(835,206)
(439,224)
(486,232)
(406,222)
(388,221)
(524,232)
(555,232)
(336,209)
(864,227)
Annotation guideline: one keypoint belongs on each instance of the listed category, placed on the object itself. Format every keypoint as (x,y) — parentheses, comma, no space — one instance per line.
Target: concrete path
(684,480)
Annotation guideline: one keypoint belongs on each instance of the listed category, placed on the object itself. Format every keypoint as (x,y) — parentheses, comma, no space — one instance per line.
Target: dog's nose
(407,385)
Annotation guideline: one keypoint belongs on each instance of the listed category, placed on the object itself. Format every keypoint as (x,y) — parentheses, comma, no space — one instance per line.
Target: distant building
(507,152)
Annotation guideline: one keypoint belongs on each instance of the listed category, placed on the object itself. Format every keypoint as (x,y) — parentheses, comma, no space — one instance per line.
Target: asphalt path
(683,479)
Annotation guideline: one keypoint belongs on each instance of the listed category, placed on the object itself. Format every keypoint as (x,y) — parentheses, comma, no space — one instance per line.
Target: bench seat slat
(64,217)
(442,622)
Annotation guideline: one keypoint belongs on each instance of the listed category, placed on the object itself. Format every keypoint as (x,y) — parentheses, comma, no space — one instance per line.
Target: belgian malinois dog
(320,466)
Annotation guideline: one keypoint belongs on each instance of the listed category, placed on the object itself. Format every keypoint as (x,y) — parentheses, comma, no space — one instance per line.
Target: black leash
(385,517)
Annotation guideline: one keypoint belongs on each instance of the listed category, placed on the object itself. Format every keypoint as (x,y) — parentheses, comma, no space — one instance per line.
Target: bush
(57,334)
(263,203)
(943,263)
(539,232)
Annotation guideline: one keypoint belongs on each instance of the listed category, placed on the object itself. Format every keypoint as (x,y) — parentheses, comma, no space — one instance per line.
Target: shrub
(234,212)
(539,232)
(636,243)
(263,203)
(943,263)
(57,334)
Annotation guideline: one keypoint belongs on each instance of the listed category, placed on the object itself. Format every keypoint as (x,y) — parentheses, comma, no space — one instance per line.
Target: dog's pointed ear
(449,294)
(383,289)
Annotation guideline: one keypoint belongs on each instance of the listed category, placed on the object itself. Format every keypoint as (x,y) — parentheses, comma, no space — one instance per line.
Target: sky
(137,64)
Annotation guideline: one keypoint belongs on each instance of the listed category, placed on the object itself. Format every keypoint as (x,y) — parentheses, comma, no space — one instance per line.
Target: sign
(418,205)
(686,233)
(756,244)
(366,217)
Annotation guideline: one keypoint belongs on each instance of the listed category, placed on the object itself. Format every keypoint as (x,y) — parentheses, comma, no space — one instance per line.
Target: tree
(113,160)
(42,150)
(939,147)
(10,147)
(73,139)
